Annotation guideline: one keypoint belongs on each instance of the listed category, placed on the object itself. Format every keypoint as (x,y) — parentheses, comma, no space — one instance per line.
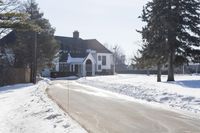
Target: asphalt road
(104,112)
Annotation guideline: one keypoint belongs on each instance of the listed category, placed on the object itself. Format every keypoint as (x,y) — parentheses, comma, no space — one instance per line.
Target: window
(103,60)
(63,67)
(99,58)
(99,67)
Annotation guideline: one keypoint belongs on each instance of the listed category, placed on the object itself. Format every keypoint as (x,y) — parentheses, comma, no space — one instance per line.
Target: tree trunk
(171,66)
(31,73)
(148,73)
(171,44)
(159,72)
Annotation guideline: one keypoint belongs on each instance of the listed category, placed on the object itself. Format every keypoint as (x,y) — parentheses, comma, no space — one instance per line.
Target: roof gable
(8,39)
(89,56)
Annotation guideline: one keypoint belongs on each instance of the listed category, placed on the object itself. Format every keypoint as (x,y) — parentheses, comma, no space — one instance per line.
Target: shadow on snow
(11,88)
(187,83)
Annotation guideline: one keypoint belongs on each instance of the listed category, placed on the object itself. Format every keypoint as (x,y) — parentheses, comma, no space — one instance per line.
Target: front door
(76,69)
(89,67)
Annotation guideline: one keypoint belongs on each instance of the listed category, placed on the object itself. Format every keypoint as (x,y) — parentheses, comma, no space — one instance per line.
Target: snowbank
(25,108)
(183,94)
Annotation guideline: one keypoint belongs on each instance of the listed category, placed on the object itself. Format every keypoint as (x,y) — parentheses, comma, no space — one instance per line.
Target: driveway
(100,111)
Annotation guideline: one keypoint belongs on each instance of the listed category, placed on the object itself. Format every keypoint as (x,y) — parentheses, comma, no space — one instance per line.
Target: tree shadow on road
(66,78)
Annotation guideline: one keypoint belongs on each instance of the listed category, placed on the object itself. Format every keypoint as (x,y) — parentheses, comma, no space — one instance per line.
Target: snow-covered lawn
(25,108)
(184,94)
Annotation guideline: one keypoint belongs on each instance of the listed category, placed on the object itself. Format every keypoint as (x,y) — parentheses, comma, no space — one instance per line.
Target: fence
(14,75)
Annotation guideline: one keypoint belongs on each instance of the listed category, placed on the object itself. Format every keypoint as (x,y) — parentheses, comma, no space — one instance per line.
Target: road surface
(99,111)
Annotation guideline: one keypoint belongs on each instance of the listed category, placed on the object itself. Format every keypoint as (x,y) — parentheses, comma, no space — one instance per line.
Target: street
(104,112)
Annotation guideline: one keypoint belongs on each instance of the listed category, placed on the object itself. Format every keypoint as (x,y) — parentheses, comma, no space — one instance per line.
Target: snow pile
(183,94)
(25,108)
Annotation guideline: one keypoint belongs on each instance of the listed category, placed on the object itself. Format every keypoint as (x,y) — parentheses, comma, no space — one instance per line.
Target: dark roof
(96,45)
(69,43)
(75,46)
(8,39)
(66,43)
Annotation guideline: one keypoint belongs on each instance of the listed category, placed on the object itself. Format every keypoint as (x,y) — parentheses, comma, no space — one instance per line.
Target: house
(8,73)
(6,53)
(83,57)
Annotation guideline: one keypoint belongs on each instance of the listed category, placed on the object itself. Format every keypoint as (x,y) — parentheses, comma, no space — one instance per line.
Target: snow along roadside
(142,88)
(26,108)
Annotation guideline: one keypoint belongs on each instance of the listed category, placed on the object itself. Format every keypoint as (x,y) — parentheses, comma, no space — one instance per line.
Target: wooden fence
(14,76)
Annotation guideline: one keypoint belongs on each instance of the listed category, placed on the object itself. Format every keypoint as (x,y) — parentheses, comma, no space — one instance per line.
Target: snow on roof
(72,60)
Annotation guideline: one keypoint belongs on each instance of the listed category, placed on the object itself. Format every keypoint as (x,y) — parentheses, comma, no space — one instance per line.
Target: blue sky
(109,21)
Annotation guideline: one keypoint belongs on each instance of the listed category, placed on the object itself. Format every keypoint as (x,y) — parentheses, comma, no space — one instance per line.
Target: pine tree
(184,34)
(153,52)
(47,46)
(11,17)
(172,30)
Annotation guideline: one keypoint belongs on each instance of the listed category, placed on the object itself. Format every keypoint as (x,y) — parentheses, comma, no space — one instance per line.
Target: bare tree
(119,56)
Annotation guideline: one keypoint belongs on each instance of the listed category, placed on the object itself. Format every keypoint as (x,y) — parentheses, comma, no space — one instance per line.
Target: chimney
(76,34)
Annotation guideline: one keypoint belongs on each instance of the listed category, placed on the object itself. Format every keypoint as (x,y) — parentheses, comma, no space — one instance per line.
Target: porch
(79,66)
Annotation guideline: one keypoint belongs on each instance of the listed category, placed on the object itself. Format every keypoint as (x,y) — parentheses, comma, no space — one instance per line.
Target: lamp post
(114,59)
(68,96)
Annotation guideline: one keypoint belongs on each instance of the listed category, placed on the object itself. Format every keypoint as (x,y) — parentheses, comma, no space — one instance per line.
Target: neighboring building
(83,57)
(6,53)
(191,68)
(8,73)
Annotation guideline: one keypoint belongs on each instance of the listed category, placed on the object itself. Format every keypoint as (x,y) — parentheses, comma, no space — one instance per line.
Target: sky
(113,22)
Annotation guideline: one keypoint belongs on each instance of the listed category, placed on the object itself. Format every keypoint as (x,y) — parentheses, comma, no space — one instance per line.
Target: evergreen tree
(153,52)
(172,30)
(11,17)
(47,47)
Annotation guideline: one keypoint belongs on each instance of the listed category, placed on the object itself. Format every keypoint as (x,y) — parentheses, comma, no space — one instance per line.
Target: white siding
(109,61)
(56,63)
(57,67)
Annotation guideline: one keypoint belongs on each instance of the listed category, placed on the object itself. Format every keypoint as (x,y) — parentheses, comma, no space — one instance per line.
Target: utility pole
(67,109)
(34,52)
(35,59)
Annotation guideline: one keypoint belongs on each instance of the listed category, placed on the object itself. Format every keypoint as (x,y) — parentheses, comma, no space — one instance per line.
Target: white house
(83,57)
